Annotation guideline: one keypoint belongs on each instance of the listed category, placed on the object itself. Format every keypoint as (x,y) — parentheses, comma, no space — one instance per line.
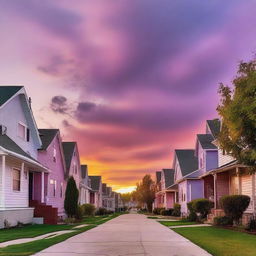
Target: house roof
(95,182)
(47,136)
(10,145)
(168,177)
(158,177)
(6,92)
(187,160)
(206,141)
(68,149)
(104,188)
(214,126)
(84,171)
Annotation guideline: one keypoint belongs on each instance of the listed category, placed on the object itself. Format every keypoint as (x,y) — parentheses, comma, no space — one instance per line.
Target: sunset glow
(126,189)
(130,81)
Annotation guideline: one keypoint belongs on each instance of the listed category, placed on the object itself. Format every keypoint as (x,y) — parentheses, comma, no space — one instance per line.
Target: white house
(19,142)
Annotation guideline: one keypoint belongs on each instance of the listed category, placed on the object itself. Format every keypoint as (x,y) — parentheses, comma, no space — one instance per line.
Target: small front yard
(221,242)
(37,230)
(177,223)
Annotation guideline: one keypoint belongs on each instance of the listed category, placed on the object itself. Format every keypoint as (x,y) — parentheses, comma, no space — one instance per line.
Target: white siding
(224,159)
(15,198)
(246,187)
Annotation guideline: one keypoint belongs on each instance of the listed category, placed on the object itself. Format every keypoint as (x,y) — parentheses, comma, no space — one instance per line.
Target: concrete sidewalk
(129,234)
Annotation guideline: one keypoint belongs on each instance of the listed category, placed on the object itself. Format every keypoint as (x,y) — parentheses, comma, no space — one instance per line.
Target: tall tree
(237,109)
(71,198)
(145,192)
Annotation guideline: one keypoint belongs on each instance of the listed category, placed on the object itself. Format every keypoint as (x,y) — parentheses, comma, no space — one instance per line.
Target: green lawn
(177,223)
(30,231)
(36,230)
(221,242)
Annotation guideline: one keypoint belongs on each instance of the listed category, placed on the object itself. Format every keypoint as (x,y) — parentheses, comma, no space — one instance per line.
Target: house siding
(246,189)
(224,159)
(211,160)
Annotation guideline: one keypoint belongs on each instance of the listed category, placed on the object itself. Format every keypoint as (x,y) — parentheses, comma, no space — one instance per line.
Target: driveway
(128,234)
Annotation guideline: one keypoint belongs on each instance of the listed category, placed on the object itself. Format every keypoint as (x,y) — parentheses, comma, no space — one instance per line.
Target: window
(22,131)
(61,189)
(74,168)
(54,155)
(16,179)
(54,188)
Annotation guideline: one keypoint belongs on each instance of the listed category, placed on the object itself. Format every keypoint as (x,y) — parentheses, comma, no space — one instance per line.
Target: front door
(30,188)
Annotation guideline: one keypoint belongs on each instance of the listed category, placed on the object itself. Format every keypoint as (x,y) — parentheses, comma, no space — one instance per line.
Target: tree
(71,198)
(145,192)
(237,109)
(126,197)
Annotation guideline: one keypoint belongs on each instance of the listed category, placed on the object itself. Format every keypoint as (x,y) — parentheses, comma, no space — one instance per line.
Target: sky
(130,81)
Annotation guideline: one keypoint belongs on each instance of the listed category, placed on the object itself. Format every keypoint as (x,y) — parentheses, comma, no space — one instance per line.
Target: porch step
(49,213)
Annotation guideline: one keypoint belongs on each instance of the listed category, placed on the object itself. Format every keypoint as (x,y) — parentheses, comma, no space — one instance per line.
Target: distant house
(72,161)
(51,155)
(166,195)
(19,144)
(96,191)
(85,186)
(108,197)
(190,186)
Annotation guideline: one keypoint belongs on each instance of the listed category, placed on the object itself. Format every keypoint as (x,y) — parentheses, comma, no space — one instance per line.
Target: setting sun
(126,190)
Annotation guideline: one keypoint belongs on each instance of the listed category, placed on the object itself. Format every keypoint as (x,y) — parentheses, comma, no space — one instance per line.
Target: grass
(177,223)
(30,231)
(30,248)
(153,218)
(221,242)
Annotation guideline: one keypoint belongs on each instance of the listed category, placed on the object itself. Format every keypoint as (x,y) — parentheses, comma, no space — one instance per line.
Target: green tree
(237,109)
(71,198)
(145,192)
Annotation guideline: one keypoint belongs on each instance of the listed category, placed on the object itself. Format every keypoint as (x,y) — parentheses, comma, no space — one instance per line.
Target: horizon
(129,82)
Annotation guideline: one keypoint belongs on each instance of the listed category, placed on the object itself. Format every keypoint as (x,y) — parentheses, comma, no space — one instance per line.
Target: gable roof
(47,136)
(168,177)
(158,177)
(84,171)
(68,150)
(214,126)
(206,141)
(187,160)
(10,145)
(95,182)
(6,92)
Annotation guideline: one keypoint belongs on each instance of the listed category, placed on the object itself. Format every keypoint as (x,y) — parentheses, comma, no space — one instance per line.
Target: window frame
(25,131)
(19,170)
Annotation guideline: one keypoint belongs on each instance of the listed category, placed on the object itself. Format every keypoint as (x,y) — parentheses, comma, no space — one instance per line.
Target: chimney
(29,102)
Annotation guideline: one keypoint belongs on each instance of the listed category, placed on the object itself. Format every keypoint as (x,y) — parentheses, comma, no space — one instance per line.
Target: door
(31,184)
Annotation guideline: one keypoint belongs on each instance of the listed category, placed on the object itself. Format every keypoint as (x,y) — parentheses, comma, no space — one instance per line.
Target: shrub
(165,212)
(222,221)
(101,211)
(192,216)
(88,209)
(70,220)
(202,206)
(71,198)
(176,210)
(79,212)
(234,206)
(251,225)
(157,210)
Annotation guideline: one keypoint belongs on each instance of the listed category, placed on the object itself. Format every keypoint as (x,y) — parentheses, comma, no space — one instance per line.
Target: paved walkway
(129,234)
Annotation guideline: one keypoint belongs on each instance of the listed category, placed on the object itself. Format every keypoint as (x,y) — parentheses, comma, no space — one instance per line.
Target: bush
(251,225)
(79,212)
(101,211)
(88,209)
(70,220)
(222,221)
(176,210)
(202,206)
(192,214)
(71,198)
(157,210)
(234,206)
(166,212)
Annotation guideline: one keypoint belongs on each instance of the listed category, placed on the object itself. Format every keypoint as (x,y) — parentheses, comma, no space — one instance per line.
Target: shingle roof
(168,177)
(187,160)
(6,92)
(68,150)
(104,188)
(206,141)
(158,177)
(10,145)
(83,171)
(195,174)
(47,136)
(95,182)
(214,126)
